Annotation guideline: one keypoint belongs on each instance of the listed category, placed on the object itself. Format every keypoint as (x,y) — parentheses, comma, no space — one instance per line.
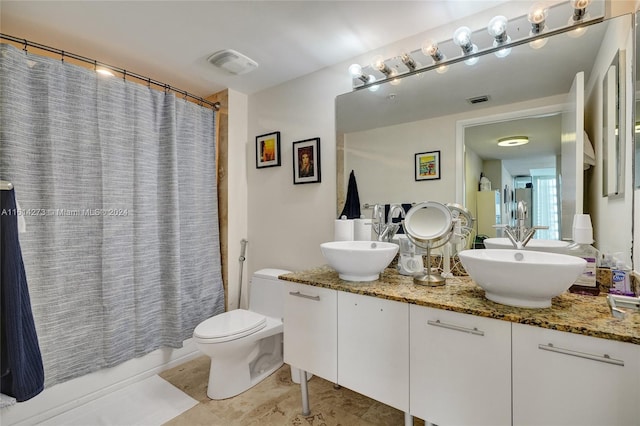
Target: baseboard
(73,393)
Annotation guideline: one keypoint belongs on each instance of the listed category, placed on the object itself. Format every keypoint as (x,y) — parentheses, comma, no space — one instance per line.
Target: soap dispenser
(581,247)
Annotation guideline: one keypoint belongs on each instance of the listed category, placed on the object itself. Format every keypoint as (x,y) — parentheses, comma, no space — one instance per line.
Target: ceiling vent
(233,62)
(478,99)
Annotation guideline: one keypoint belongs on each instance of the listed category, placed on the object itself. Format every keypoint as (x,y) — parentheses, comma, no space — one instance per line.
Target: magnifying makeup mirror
(428,225)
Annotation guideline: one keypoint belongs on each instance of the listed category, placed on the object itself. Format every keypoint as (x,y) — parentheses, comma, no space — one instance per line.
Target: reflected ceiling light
(105,71)
(462,38)
(497,29)
(513,141)
(356,72)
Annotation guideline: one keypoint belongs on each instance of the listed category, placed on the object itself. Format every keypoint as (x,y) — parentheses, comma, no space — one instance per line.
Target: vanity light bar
(537,19)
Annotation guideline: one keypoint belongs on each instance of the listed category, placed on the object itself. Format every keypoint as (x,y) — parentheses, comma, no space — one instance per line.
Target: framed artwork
(306,161)
(427,165)
(268,150)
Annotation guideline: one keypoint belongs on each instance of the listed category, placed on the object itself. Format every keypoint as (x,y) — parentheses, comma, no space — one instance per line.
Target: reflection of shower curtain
(117,183)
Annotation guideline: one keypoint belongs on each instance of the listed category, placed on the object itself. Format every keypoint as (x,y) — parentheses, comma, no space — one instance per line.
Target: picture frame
(306,161)
(268,150)
(427,165)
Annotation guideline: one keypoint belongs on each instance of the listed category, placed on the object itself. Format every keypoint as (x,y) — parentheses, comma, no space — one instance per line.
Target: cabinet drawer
(568,379)
(460,368)
(310,329)
(373,348)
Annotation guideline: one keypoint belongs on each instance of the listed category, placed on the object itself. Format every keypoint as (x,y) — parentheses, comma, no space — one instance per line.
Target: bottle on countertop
(621,279)
(581,247)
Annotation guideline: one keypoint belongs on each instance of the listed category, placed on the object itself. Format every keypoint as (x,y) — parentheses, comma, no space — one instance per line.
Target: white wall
(288,222)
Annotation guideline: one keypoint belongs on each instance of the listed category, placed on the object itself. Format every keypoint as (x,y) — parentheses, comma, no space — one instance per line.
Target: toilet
(245,346)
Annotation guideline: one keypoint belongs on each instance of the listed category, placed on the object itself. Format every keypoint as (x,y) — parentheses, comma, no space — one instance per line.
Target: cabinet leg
(408,419)
(305,393)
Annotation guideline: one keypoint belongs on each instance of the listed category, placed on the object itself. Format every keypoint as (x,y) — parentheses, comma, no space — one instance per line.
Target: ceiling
(170,41)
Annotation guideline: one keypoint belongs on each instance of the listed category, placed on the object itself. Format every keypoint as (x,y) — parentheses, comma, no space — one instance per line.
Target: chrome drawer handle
(305,296)
(605,358)
(473,330)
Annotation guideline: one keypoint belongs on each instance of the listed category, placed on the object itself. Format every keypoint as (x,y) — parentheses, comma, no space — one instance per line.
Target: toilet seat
(229,325)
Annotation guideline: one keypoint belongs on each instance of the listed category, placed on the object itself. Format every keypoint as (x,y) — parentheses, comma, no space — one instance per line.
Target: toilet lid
(231,324)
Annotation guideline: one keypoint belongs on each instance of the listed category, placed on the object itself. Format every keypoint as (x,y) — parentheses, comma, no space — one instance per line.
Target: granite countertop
(573,313)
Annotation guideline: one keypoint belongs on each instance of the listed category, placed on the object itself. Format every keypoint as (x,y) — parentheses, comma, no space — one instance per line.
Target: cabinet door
(373,348)
(568,379)
(310,329)
(460,368)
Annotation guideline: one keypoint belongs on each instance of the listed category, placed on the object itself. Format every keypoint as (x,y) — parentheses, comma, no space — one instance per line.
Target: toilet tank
(266,293)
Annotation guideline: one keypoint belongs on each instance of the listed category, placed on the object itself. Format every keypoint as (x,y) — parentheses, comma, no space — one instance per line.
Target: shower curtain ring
(124,75)
(26,43)
(62,56)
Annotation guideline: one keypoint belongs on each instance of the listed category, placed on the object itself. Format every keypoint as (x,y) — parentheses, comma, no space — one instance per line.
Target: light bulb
(355,70)
(430,48)
(462,36)
(498,28)
(378,63)
(408,61)
(538,14)
(579,10)
(580,4)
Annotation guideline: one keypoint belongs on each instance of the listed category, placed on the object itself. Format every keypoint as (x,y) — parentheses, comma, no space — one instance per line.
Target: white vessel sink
(527,279)
(553,246)
(359,260)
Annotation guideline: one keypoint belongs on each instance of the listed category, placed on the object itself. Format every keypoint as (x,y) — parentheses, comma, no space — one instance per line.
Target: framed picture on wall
(268,150)
(427,165)
(306,161)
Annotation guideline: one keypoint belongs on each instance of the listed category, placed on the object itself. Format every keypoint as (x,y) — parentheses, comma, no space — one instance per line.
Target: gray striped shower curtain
(117,185)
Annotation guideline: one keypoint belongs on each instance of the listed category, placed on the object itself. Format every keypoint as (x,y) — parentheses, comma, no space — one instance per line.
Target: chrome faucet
(520,234)
(386,229)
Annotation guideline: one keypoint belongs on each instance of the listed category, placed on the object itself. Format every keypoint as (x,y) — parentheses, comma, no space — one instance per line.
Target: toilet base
(228,379)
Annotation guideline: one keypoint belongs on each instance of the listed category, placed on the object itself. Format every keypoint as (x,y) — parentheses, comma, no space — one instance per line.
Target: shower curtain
(117,184)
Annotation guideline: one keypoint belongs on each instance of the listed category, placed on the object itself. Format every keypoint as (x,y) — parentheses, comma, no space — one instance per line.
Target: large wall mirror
(545,91)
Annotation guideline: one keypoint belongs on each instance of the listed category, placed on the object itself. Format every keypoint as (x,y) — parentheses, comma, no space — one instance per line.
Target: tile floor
(276,401)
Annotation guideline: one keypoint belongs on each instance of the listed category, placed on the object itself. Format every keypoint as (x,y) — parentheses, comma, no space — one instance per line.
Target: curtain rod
(5,185)
(26,43)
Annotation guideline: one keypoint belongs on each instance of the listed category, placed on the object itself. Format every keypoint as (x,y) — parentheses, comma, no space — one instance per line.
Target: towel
(21,371)
(352,204)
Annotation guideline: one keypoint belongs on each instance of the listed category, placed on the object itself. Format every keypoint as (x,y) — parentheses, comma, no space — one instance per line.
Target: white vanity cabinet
(310,329)
(460,368)
(373,348)
(569,379)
